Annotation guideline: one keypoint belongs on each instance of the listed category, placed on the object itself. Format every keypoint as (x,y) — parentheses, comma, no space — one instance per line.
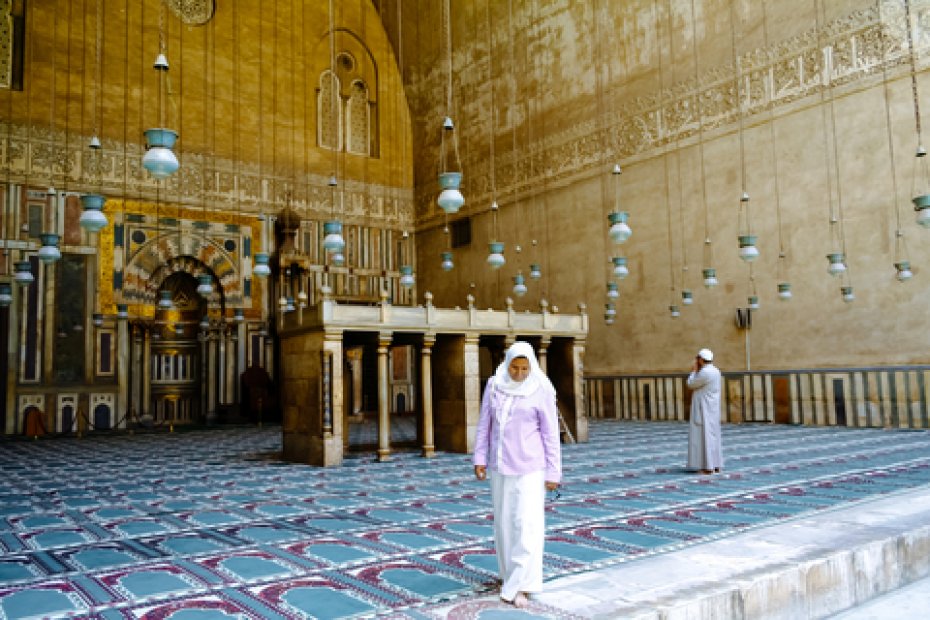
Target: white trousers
(519,530)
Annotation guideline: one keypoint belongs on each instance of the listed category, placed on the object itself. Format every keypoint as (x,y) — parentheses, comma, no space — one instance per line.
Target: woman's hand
(481,472)
(551,486)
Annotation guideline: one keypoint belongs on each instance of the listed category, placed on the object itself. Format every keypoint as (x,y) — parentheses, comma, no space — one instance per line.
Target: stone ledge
(807,567)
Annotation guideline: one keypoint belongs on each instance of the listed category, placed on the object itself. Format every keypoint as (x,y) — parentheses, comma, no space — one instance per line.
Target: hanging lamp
(49,252)
(92,218)
(748,251)
(519,285)
(450,176)
(260,268)
(687,298)
(333,240)
(784,287)
(921,188)
(450,198)
(710,277)
(709,273)
(406,271)
(620,267)
(784,291)
(613,291)
(848,294)
(903,271)
(674,311)
(406,276)
(6,294)
(164,301)
(205,286)
(496,258)
(610,312)
(619,230)
(535,268)
(447,264)
(837,263)
(22,272)
(159,158)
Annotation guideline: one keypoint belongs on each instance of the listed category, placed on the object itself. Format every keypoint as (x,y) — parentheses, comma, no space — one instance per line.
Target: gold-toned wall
(569,89)
(241,92)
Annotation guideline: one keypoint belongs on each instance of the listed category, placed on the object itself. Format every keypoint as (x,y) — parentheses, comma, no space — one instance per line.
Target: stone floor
(803,522)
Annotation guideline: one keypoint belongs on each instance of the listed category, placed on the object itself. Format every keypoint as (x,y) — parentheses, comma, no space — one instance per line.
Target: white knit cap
(706,354)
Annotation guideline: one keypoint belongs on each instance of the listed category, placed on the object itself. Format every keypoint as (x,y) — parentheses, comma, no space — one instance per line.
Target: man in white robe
(704,451)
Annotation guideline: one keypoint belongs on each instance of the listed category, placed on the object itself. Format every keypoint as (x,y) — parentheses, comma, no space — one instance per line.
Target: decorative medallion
(194,12)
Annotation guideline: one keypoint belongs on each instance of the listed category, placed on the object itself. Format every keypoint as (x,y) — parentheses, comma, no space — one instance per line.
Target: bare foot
(521,601)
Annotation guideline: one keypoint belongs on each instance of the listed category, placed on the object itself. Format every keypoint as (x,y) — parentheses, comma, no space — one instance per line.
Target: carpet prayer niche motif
(205,525)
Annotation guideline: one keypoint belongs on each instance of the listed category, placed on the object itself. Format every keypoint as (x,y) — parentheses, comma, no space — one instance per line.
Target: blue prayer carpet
(205,524)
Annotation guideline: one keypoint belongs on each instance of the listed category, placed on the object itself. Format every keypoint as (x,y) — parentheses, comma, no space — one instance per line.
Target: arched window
(358,120)
(329,112)
(347,107)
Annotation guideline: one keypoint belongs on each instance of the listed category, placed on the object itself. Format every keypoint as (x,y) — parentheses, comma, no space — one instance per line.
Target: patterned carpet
(206,524)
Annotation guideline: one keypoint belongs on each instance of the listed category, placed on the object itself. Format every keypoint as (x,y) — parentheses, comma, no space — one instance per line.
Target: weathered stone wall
(568,89)
(241,92)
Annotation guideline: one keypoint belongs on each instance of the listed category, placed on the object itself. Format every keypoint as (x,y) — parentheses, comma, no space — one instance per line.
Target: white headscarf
(535,380)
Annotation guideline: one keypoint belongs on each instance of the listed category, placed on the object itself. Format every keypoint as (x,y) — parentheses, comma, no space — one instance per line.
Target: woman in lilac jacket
(517,447)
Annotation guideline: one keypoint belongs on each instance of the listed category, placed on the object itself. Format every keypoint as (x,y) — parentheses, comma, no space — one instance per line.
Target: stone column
(204,338)
(241,349)
(12,324)
(426,382)
(472,376)
(47,302)
(211,376)
(221,358)
(135,379)
(543,351)
(229,366)
(269,356)
(146,377)
(384,398)
(334,427)
(122,370)
(577,361)
(354,358)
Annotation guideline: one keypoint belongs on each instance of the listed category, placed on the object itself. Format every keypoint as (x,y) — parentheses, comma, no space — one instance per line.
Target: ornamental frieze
(843,53)
(115,170)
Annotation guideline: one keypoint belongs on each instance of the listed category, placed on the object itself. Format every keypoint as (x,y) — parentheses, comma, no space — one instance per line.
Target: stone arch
(192,267)
(358,120)
(196,255)
(356,80)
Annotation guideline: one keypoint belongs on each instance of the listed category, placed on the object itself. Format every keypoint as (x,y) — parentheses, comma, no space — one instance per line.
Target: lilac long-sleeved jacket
(530,440)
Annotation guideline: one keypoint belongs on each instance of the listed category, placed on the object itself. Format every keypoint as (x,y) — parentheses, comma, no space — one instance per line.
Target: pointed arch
(329,112)
(159,258)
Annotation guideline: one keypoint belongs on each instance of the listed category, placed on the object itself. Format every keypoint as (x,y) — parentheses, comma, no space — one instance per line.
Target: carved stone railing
(329,314)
